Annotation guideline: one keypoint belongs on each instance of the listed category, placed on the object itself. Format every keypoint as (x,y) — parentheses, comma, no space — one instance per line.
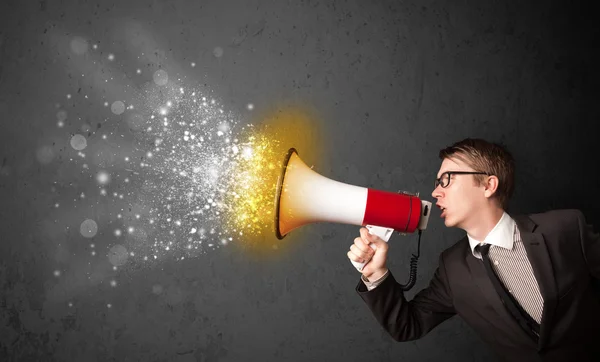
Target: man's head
(484,180)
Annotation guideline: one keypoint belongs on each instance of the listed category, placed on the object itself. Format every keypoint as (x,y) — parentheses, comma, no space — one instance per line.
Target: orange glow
(251,199)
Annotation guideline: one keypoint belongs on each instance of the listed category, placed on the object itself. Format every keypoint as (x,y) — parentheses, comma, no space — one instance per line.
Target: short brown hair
(485,156)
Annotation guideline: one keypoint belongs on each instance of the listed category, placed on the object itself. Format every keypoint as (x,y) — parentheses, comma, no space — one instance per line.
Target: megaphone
(303,196)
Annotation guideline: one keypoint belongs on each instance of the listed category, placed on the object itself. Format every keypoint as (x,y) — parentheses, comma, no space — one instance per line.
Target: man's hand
(361,251)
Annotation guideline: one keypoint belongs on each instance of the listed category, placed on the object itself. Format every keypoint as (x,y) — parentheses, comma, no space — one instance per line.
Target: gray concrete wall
(389,84)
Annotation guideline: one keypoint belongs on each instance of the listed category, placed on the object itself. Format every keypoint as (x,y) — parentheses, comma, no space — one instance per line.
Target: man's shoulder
(556,214)
(556,217)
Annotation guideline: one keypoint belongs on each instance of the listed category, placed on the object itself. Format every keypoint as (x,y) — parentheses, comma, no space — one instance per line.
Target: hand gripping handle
(383,233)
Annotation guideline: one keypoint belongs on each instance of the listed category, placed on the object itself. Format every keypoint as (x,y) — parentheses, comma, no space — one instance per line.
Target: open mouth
(443,209)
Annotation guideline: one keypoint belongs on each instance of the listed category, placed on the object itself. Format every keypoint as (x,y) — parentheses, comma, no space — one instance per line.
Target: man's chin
(449,223)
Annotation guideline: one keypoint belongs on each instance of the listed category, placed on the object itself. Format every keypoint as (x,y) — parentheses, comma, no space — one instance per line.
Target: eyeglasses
(444,179)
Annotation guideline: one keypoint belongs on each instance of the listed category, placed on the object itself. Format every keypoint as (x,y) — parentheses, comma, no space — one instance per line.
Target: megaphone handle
(383,233)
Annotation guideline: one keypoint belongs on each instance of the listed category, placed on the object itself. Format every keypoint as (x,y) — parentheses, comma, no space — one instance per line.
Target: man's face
(461,200)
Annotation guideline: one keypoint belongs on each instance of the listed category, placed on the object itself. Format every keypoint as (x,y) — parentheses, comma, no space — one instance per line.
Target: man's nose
(436,192)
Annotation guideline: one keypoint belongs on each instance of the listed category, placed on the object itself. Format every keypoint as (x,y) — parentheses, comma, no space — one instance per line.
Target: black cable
(412,277)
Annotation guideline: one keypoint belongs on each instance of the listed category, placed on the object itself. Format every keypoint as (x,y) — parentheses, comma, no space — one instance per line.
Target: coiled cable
(412,276)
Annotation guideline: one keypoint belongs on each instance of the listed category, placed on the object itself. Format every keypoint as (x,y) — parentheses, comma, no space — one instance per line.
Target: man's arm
(590,244)
(409,320)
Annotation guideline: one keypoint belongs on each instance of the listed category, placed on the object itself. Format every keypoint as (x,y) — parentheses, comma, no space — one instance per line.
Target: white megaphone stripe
(304,196)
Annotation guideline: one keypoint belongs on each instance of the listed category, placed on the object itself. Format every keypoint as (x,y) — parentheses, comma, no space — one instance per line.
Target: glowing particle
(103,192)
(118,232)
(56,205)
(139,71)
(109,305)
(247,152)
(113,283)
(130,229)
(57,273)
(78,142)
(105,104)
(103,178)
(126,159)
(178,223)
(68,96)
(70,304)
(235,149)
(111,57)
(160,77)
(117,107)
(88,228)
(95,46)
(219,133)
(60,124)
(250,106)
(193,64)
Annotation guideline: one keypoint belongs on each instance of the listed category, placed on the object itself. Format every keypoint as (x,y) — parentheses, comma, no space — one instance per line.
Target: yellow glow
(251,199)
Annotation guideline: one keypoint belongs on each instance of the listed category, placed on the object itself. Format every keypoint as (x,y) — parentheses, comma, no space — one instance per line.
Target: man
(524,283)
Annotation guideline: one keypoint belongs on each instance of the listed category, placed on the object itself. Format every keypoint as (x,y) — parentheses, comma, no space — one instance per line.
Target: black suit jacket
(564,252)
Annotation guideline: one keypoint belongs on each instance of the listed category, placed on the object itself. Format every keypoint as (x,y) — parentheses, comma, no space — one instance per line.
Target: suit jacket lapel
(537,252)
(480,277)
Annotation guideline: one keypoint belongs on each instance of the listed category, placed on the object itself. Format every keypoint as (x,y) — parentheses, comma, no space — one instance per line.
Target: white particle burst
(247,153)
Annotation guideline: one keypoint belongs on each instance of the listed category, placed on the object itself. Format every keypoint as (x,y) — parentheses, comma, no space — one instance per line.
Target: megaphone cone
(303,196)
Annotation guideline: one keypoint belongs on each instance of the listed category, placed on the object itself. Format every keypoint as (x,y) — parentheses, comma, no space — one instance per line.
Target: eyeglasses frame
(450,173)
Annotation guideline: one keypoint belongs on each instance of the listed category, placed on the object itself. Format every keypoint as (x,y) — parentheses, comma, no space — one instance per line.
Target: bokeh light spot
(78,142)
(88,228)
(79,45)
(117,255)
(45,154)
(160,77)
(218,52)
(117,107)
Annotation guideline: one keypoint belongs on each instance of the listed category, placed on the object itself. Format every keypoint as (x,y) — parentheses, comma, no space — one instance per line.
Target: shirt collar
(502,235)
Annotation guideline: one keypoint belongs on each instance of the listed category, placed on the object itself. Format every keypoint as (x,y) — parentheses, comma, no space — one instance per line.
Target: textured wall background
(389,84)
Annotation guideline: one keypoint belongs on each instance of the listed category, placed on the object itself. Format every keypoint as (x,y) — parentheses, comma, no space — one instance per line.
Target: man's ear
(491,185)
